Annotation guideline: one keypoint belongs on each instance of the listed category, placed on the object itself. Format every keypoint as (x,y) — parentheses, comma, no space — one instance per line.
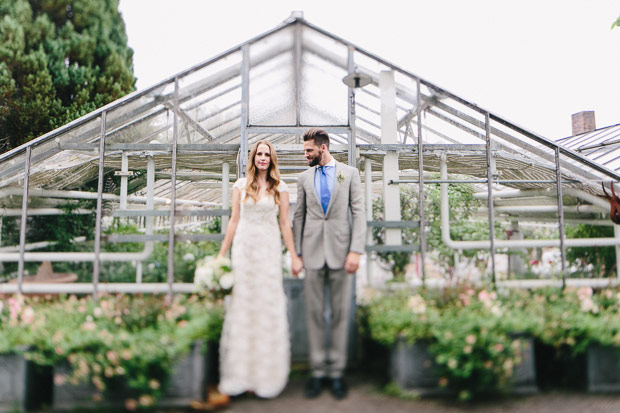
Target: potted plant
(456,340)
(13,366)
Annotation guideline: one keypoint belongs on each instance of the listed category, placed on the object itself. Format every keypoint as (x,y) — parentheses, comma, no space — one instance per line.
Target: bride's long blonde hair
(273,174)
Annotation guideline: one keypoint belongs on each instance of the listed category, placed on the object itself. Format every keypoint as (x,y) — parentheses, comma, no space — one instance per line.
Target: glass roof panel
(52,159)
(323,94)
(272,80)
(12,171)
(144,124)
(324,64)
(272,92)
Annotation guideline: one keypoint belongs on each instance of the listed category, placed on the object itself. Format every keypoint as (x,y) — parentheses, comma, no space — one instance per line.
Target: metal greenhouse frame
(192,131)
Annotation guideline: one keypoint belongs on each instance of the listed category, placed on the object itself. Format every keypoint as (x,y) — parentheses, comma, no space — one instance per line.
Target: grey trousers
(328,359)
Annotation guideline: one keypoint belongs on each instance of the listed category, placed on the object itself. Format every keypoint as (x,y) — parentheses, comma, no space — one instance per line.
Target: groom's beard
(317,159)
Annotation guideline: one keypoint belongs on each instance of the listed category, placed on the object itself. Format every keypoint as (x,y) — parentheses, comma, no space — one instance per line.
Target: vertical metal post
(97,262)
(150,205)
(245,96)
(22,228)
(389,132)
(558,178)
(124,178)
(139,272)
(368,185)
(225,196)
(351,112)
(297,57)
(421,270)
(487,124)
(173,184)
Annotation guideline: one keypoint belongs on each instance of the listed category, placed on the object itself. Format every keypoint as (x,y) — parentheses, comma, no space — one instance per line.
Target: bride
(255,346)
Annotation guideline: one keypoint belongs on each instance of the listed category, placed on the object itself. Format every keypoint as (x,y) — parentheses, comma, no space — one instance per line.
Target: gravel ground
(365,397)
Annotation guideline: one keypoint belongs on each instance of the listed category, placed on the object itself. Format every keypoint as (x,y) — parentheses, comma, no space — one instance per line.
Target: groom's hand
(352,262)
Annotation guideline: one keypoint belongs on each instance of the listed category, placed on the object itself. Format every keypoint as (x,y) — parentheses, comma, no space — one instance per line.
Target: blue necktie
(324,189)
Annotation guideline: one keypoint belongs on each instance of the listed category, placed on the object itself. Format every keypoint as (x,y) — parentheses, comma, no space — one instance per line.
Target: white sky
(533,62)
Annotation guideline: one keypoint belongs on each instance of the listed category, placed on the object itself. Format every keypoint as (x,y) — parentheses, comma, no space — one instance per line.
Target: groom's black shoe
(339,388)
(314,387)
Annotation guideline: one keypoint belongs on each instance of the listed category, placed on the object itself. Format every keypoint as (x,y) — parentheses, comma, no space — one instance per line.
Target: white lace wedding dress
(255,346)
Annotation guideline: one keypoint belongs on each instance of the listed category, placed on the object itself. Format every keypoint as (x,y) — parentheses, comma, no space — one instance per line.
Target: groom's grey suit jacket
(326,238)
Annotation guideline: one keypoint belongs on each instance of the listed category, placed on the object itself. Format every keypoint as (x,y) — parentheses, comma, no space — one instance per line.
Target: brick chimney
(583,122)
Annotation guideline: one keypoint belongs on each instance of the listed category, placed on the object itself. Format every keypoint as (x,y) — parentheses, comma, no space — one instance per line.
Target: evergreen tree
(59,60)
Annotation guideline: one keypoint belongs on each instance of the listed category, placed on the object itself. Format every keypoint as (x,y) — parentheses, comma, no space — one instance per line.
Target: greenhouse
(155,169)
(491,251)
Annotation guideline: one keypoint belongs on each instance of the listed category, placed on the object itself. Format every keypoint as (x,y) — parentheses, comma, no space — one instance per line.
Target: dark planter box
(603,366)
(559,368)
(188,380)
(524,377)
(412,368)
(12,383)
(187,383)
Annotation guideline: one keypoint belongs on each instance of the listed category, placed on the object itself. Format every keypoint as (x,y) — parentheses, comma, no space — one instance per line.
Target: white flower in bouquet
(226,281)
(203,276)
(213,276)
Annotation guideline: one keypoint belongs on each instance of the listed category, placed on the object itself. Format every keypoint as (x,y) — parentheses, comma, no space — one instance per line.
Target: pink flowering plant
(475,349)
(475,334)
(471,333)
(581,316)
(15,312)
(118,341)
(400,315)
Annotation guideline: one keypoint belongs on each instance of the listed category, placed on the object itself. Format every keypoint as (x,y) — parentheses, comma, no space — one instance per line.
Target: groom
(329,227)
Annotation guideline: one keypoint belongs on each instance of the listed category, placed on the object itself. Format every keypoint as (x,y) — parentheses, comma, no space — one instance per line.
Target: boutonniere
(340,177)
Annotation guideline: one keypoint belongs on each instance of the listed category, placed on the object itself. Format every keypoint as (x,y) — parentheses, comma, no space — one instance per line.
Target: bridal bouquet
(213,276)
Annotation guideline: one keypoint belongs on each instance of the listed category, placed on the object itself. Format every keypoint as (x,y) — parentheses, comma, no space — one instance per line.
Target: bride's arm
(232,223)
(287,233)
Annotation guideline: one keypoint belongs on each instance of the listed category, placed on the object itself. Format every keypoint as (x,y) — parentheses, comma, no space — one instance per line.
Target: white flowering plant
(213,277)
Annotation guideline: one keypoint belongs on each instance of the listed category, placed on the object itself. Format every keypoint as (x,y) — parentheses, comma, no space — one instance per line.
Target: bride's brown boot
(200,405)
(215,400)
(218,399)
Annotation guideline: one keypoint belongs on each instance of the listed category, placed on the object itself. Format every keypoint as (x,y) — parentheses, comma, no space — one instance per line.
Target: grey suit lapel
(336,188)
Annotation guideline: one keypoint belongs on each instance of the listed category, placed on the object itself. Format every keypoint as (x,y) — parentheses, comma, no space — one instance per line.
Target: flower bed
(132,340)
(480,341)
(186,383)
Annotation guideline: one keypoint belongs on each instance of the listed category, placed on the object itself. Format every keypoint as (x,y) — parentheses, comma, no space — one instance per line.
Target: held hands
(352,262)
(296,265)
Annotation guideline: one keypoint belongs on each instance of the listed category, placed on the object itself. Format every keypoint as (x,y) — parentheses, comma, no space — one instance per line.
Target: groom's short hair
(318,135)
